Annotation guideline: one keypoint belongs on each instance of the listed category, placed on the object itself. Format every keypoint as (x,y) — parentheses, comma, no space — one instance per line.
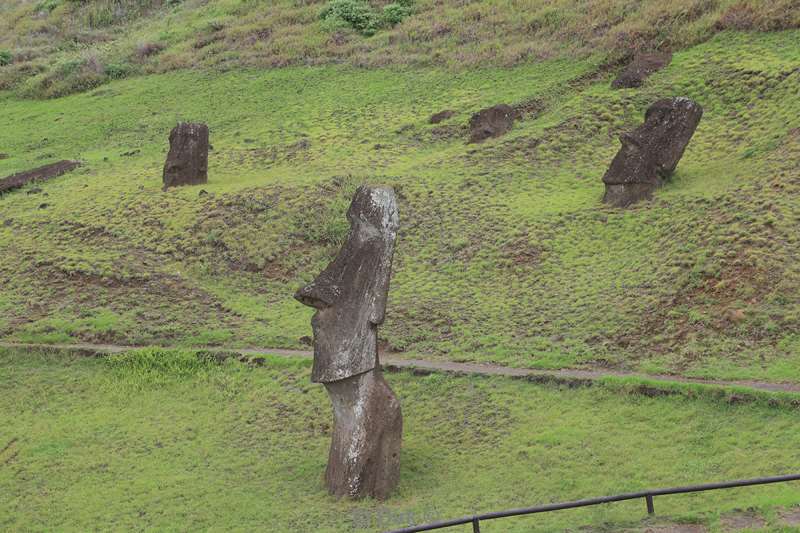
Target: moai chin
(350,298)
(650,153)
(187,161)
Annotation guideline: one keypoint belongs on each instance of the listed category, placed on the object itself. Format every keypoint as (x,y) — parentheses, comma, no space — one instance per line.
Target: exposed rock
(350,297)
(441,116)
(187,161)
(44,173)
(642,66)
(491,122)
(650,153)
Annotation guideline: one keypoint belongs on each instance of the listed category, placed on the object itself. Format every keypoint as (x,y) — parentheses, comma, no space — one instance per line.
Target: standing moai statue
(650,153)
(350,297)
(187,161)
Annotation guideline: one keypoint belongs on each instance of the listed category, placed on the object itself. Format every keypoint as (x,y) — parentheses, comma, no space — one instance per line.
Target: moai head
(350,294)
(650,153)
(187,160)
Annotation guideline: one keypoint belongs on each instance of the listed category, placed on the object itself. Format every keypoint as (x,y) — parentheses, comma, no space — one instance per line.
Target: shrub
(356,14)
(68,77)
(117,71)
(47,5)
(5,58)
(395,13)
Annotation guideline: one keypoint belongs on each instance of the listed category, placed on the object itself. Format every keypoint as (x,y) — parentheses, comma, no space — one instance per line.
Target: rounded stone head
(187,160)
(350,294)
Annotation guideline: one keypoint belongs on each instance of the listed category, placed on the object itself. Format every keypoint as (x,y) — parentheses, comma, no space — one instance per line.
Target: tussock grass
(156,366)
(59,47)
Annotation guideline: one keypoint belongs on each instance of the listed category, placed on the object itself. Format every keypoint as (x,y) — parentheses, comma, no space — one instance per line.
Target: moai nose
(317,295)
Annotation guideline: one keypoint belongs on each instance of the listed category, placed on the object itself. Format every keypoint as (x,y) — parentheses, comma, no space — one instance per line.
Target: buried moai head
(650,153)
(491,122)
(187,161)
(350,294)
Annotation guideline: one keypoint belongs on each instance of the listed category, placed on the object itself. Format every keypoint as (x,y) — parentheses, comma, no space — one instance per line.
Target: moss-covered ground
(164,441)
(505,255)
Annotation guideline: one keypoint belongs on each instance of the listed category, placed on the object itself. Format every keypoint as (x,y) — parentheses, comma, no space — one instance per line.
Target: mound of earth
(491,122)
(642,66)
(441,116)
(15,181)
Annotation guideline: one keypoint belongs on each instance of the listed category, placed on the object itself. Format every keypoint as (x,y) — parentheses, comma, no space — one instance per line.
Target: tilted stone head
(350,294)
(650,153)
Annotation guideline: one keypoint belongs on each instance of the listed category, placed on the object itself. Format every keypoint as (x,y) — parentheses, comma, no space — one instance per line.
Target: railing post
(476,527)
(650,508)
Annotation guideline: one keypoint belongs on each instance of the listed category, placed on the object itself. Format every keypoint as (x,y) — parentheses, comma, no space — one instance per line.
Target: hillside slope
(58,47)
(506,253)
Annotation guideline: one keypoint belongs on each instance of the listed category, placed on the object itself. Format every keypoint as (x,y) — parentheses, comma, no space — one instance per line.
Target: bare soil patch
(791,517)
(742,520)
(638,70)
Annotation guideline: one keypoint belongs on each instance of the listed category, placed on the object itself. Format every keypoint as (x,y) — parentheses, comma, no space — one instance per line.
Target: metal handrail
(646,494)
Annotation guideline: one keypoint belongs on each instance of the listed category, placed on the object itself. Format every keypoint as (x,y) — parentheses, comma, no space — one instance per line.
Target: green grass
(166,441)
(505,254)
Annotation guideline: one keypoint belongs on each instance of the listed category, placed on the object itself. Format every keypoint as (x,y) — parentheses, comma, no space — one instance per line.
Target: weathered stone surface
(364,459)
(650,153)
(187,161)
(642,66)
(350,297)
(44,173)
(491,122)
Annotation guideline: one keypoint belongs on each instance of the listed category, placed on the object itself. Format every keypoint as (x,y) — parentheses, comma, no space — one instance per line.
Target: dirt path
(425,366)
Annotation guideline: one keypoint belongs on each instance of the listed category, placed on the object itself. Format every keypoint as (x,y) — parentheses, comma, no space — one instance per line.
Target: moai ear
(380,293)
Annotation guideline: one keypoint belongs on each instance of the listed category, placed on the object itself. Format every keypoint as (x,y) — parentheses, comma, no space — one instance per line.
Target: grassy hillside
(160,441)
(56,47)
(505,254)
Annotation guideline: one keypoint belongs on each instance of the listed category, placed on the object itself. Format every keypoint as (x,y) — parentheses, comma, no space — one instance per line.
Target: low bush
(395,13)
(117,71)
(362,17)
(5,58)
(356,14)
